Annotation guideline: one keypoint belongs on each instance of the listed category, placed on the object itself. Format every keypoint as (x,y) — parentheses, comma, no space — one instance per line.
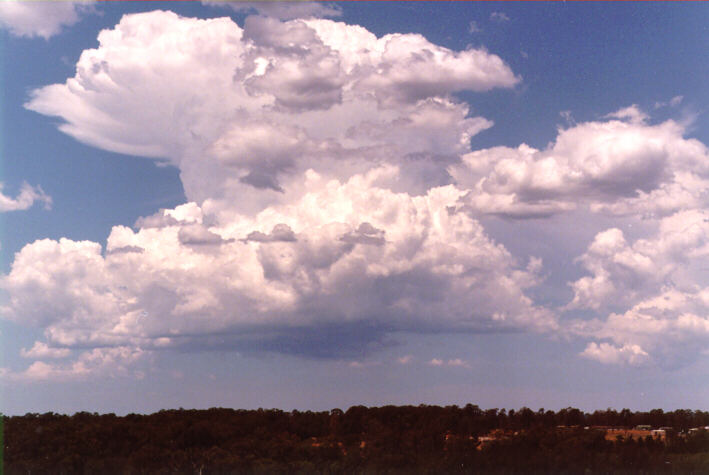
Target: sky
(319,205)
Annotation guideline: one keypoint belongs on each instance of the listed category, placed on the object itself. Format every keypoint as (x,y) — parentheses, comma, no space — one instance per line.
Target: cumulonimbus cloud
(313,156)
(333,198)
(243,111)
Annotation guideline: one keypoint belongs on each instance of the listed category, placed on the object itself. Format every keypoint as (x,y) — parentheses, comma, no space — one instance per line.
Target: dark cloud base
(340,341)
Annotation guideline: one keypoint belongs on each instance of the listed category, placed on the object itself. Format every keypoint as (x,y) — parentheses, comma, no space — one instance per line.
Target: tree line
(389,439)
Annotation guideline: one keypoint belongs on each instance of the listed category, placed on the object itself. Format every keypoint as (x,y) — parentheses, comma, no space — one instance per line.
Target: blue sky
(320,205)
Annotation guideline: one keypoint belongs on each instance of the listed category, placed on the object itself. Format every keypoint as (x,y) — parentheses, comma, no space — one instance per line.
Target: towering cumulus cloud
(315,158)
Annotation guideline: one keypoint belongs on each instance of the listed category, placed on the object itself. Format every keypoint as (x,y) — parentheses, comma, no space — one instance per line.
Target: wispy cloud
(674,102)
(499,17)
(27,197)
(455,362)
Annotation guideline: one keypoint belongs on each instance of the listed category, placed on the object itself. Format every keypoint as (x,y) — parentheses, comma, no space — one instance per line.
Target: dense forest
(391,439)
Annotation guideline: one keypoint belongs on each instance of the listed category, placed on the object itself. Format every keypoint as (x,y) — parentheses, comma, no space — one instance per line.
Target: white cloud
(473,27)
(616,167)
(416,264)
(91,363)
(456,362)
(41,350)
(405,359)
(669,329)
(332,200)
(499,17)
(280,233)
(624,273)
(314,157)
(609,354)
(332,189)
(41,18)
(633,114)
(655,290)
(272,100)
(25,199)
(363,364)
(619,273)
(674,102)
(568,117)
(281,10)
